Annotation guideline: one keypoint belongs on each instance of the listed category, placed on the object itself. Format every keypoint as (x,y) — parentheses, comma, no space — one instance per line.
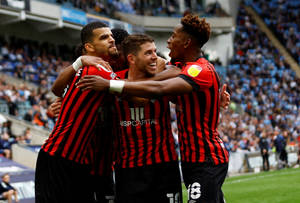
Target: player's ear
(89,47)
(130,59)
(187,43)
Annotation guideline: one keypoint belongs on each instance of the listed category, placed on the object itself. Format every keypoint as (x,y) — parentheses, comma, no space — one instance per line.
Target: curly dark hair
(196,27)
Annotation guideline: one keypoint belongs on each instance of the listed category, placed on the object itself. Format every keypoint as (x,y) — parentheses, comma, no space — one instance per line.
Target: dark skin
(184,48)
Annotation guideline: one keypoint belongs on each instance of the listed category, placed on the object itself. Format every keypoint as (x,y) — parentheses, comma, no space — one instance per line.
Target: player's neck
(135,75)
(105,58)
(191,57)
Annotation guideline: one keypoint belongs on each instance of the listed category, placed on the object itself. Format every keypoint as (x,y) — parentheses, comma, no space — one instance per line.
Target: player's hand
(225,97)
(54,108)
(94,61)
(161,64)
(93,82)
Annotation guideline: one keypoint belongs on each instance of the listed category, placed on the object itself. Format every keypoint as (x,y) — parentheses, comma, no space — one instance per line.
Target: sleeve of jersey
(122,74)
(92,70)
(198,77)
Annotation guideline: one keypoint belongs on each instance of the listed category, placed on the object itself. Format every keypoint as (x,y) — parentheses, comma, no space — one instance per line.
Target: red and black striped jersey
(75,126)
(145,133)
(198,115)
(102,150)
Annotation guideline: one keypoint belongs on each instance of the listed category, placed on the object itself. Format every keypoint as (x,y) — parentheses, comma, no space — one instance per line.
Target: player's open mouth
(153,65)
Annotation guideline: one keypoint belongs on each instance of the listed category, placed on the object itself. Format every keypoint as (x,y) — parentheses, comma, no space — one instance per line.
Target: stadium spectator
(7,191)
(5,148)
(6,139)
(264,149)
(25,137)
(12,106)
(28,116)
(280,145)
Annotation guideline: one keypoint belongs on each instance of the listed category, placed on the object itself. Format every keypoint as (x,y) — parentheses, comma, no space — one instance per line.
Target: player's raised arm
(193,77)
(170,72)
(67,75)
(149,89)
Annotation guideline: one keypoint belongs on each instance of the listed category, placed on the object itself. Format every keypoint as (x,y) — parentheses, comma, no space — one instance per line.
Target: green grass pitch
(281,186)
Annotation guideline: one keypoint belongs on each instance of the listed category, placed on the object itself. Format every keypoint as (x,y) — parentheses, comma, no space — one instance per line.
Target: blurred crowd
(24,103)
(148,8)
(265,92)
(283,17)
(7,138)
(32,61)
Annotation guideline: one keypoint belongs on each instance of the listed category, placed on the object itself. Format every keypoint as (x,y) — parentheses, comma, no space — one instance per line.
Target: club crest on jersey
(113,75)
(194,70)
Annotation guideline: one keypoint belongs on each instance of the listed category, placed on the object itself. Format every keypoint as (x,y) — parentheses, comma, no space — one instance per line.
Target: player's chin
(152,68)
(113,52)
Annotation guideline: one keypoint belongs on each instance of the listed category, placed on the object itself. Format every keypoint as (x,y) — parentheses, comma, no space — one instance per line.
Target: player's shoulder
(194,69)
(99,70)
(122,74)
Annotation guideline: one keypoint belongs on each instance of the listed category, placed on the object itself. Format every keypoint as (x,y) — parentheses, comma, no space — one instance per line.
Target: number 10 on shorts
(174,198)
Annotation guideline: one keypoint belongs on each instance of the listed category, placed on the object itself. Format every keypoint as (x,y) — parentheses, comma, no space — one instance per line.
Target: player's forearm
(171,72)
(64,78)
(148,89)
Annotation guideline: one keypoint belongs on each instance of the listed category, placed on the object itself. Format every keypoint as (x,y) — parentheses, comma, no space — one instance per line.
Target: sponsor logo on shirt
(194,70)
(138,118)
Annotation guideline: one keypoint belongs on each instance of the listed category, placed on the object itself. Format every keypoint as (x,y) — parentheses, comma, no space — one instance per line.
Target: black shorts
(60,180)
(204,181)
(149,184)
(103,188)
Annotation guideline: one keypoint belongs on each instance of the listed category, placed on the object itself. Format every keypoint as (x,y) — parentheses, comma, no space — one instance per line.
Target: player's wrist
(77,64)
(116,85)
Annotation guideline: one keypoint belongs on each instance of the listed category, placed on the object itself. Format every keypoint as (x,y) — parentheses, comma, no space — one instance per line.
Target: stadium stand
(35,62)
(24,103)
(145,8)
(264,87)
(283,18)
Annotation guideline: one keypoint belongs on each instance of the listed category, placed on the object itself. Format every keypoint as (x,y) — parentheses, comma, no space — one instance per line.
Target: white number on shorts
(110,198)
(194,190)
(173,198)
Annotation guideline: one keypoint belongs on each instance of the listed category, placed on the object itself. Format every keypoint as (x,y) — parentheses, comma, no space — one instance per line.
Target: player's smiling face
(176,43)
(146,58)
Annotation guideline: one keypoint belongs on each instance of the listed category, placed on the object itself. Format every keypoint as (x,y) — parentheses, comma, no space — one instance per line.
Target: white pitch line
(269,175)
